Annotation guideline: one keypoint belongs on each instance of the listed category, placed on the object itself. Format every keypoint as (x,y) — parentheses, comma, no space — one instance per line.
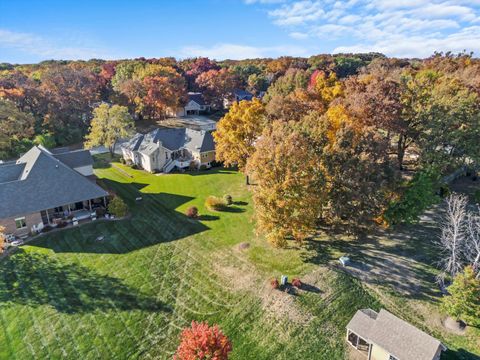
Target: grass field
(67,296)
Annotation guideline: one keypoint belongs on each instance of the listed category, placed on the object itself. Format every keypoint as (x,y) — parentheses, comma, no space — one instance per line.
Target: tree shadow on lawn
(35,279)
(153,220)
(219,170)
(404,264)
(207,217)
(459,354)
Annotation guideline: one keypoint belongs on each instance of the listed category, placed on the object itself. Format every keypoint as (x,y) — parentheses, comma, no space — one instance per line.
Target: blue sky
(31,31)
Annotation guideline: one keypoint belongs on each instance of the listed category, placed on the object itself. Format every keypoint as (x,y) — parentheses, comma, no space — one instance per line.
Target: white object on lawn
(344,260)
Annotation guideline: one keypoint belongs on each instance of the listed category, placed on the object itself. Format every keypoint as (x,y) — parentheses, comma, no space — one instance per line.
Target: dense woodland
(52,102)
(350,140)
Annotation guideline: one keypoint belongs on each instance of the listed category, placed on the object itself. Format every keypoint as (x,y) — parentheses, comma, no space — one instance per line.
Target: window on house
(20,223)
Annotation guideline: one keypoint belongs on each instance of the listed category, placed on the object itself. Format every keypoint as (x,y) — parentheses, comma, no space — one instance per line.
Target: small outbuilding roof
(399,338)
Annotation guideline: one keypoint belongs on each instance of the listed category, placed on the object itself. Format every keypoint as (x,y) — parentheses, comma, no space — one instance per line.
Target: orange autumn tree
(327,167)
(289,183)
(354,160)
(203,342)
(237,132)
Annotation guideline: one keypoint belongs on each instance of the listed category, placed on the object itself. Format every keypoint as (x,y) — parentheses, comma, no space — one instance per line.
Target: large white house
(163,149)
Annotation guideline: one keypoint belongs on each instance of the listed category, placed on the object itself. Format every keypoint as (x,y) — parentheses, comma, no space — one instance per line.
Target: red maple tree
(201,342)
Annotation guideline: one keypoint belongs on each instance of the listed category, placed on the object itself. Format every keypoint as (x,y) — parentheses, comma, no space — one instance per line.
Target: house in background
(196,105)
(236,96)
(383,336)
(43,186)
(163,149)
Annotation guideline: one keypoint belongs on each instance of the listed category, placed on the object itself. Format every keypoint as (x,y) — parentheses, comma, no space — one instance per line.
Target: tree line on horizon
(52,102)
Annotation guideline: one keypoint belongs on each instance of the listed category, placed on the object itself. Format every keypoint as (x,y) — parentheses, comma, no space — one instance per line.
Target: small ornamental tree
(214,203)
(297,283)
(192,212)
(274,283)
(202,342)
(117,207)
(228,199)
(463,303)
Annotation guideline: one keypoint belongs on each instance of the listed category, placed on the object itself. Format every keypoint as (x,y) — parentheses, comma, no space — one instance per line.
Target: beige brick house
(45,185)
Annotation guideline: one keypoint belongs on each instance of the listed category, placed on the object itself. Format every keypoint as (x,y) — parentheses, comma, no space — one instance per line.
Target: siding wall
(207,157)
(378,353)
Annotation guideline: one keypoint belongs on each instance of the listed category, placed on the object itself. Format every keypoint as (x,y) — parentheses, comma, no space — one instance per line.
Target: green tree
(15,125)
(237,132)
(110,123)
(463,303)
(117,207)
(414,198)
(47,140)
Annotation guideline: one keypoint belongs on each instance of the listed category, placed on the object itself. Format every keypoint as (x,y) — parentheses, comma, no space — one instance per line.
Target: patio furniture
(9,238)
(284,280)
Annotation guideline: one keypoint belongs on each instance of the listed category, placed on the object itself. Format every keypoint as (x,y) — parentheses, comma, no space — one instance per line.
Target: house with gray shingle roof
(236,96)
(42,186)
(195,105)
(383,336)
(163,149)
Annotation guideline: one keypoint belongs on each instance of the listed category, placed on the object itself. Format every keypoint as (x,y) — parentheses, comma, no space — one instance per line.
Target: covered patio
(80,210)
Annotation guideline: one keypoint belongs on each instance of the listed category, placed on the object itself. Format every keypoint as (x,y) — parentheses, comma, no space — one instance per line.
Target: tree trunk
(112,149)
(401,151)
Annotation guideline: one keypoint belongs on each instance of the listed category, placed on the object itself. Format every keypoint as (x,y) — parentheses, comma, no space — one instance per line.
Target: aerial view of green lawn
(128,296)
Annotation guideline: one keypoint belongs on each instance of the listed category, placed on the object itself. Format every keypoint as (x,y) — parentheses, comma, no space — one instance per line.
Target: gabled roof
(242,93)
(42,182)
(10,172)
(200,141)
(76,158)
(197,97)
(172,139)
(399,338)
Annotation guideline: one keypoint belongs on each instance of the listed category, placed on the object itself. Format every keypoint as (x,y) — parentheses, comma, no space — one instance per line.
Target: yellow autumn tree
(238,131)
(326,87)
(288,191)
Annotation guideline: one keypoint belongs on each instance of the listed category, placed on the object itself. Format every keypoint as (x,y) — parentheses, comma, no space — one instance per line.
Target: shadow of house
(36,279)
(154,220)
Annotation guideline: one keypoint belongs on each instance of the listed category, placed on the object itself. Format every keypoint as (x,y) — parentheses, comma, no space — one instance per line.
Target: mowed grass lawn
(67,296)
